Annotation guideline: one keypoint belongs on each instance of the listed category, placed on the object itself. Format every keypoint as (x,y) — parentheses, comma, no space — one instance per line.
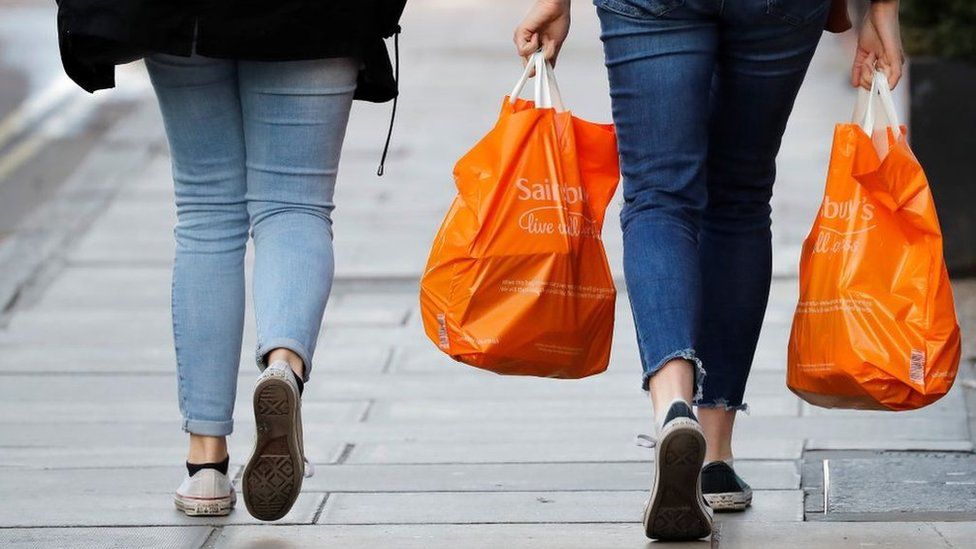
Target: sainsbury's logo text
(848,209)
(549,192)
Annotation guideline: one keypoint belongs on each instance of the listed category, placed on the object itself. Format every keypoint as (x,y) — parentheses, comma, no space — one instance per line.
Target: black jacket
(96,35)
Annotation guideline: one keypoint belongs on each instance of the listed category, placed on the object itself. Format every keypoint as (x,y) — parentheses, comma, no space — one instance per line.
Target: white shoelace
(645,441)
(309,468)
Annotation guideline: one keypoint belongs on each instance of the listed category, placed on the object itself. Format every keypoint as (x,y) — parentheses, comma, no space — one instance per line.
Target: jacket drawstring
(396,80)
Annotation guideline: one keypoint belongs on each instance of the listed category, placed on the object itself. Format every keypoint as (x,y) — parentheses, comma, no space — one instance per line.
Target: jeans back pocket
(640,9)
(796,12)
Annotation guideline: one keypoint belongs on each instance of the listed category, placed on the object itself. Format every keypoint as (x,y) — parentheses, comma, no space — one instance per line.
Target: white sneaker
(273,475)
(208,493)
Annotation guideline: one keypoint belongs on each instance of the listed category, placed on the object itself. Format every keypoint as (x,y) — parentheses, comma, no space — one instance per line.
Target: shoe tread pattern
(674,512)
(272,478)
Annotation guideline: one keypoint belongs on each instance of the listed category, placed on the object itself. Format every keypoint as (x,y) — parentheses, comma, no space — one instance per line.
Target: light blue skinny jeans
(255,147)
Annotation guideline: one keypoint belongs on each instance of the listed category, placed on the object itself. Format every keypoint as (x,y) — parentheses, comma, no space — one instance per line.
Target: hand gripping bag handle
(864,109)
(547,93)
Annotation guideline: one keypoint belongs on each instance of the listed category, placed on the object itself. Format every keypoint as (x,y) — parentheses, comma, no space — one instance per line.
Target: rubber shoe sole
(676,510)
(199,507)
(729,501)
(273,475)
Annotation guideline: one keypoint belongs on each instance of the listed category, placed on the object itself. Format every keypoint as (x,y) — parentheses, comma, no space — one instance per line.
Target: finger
(895,68)
(859,57)
(555,53)
(529,47)
(867,70)
(526,43)
(894,76)
(867,77)
(549,49)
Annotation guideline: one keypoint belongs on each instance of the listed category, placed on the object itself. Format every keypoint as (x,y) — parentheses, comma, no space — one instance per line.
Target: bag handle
(864,109)
(547,95)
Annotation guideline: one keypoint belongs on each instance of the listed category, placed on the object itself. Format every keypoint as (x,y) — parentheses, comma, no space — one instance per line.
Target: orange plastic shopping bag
(875,325)
(518,281)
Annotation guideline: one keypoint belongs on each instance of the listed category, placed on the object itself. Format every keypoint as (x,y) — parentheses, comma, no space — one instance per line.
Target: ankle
(719,456)
(673,381)
(207,449)
(289,357)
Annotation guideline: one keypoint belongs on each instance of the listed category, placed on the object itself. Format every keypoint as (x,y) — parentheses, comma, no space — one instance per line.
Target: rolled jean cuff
(284,343)
(690,356)
(208,428)
(722,403)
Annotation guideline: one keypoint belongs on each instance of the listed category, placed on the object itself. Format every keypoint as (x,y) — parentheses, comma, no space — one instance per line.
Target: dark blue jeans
(701,92)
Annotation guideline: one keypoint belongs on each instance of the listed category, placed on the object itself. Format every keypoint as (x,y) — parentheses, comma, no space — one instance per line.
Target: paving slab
(853,428)
(870,443)
(134,509)
(901,487)
(119,481)
(956,534)
(526,507)
(176,537)
(86,358)
(93,293)
(820,535)
(598,433)
(582,449)
(119,452)
(62,389)
(106,411)
(522,477)
(948,406)
(446,536)
(541,407)
(159,358)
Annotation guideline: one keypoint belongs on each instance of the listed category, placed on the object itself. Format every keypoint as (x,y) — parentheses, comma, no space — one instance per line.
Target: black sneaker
(676,510)
(723,489)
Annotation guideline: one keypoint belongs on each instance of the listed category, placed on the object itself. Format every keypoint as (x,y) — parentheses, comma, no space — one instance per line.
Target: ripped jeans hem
(722,403)
(687,354)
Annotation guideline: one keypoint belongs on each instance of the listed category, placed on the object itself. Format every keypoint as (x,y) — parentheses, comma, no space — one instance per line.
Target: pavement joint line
(109,526)
(104,373)
(363,417)
(510,491)
(347,450)
(941,535)
(493,523)
(320,509)
(407,317)
(31,292)
(337,463)
(391,355)
(212,537)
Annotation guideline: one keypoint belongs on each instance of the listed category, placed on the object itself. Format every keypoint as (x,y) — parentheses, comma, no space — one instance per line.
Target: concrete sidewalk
(412,449)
